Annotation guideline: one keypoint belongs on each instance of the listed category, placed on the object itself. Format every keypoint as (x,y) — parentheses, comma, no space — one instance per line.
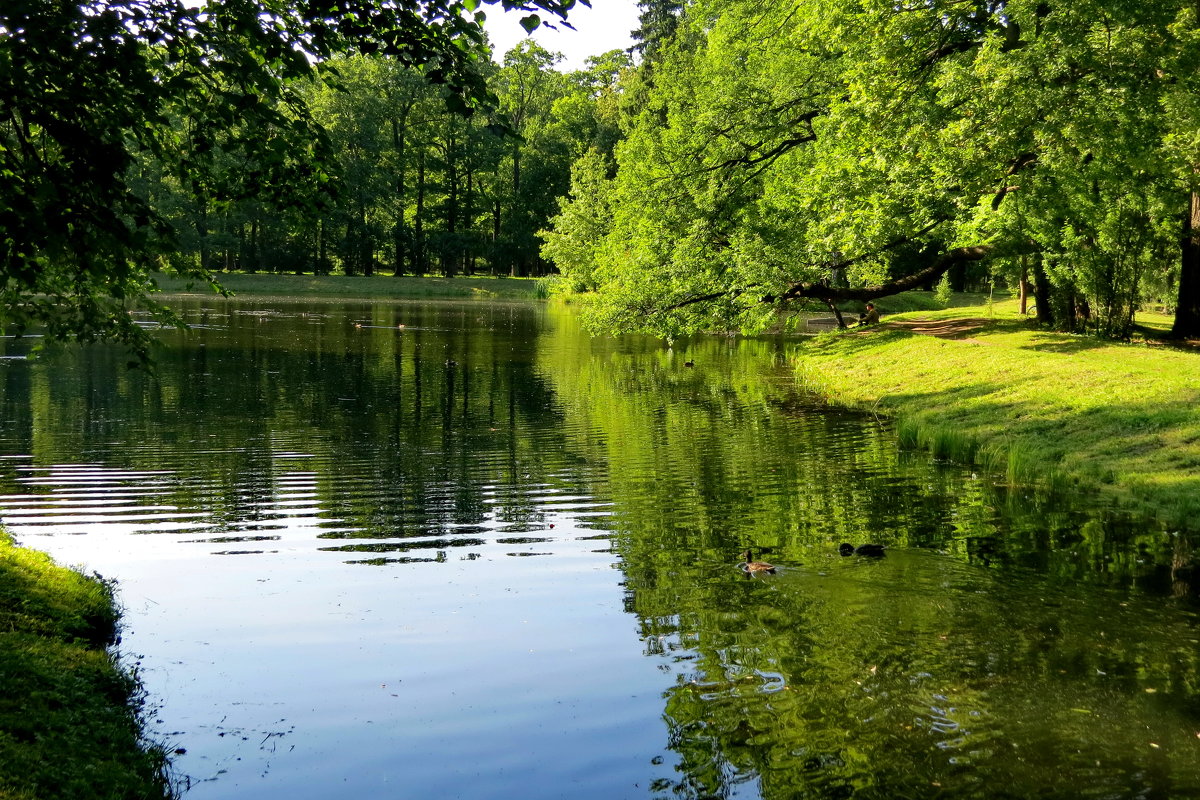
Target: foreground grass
(1033,405)
(69,725)
(377,287)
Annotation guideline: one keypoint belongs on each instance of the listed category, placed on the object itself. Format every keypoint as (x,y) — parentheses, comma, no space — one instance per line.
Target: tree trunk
(837,314)
(1069,316)
(202,232)
(1041,292)
(350,249)
(517,259)
(1023,286)
(450,252)
(242,255)
(958,277)
(322,253)
(468,202)
(1187,309)
(419,219)
(228,257)
(398,144)
(495,266)
(366,248)
(251,265)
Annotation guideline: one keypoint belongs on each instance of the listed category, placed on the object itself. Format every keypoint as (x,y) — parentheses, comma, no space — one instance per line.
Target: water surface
(464,550)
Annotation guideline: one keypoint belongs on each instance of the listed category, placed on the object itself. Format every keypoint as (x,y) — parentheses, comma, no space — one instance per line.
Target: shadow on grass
(1066,343)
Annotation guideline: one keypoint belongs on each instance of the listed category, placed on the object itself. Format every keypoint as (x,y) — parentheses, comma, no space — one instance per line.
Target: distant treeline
(399,184)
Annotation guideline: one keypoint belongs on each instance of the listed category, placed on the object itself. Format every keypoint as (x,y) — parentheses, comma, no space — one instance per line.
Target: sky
(603,27)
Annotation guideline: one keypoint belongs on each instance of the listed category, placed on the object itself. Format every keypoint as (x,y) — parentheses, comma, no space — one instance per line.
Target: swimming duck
(871,550)
(754,567)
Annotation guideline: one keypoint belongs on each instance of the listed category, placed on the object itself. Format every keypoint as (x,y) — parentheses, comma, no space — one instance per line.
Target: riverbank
(981,385)
(376,287)
(69,716)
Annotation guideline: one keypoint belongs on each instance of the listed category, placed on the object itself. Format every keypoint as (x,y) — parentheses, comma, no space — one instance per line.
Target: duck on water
(870,550)
(755,567)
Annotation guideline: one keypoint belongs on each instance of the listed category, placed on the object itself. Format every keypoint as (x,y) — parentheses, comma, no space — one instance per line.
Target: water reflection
(504,554)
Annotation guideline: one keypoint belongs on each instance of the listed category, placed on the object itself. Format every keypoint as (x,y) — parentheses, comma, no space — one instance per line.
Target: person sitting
(869,317)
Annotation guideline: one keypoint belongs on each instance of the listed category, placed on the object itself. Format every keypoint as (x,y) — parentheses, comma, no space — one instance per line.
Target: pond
(465,550)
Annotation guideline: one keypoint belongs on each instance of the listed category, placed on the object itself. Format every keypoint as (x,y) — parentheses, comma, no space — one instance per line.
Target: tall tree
(528,85)
(782,149)
(84,86)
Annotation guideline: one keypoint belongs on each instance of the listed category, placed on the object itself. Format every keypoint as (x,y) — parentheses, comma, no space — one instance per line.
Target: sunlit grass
(69,724)
(376,287)
(928,301)
(1029,404)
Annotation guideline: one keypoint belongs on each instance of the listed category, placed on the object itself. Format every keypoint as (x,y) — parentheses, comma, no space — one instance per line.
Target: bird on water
(752,566)
(872,550)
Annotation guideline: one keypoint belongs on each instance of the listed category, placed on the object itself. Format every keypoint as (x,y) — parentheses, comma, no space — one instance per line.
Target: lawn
(981,384)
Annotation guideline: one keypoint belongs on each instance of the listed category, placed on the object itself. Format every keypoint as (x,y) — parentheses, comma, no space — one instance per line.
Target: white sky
(603,27)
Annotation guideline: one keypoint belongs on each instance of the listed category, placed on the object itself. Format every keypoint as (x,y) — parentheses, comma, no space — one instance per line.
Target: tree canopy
(93,91)
(834,151)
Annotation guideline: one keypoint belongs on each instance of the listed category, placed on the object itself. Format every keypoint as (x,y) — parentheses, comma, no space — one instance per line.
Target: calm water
(463,550)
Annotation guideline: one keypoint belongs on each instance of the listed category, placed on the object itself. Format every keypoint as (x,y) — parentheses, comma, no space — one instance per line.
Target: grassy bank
(69,724)
(980,384)
(377,287)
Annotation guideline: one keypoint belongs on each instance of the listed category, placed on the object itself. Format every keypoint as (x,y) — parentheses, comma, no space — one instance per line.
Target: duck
(689,363)
(754,567)
(870,550)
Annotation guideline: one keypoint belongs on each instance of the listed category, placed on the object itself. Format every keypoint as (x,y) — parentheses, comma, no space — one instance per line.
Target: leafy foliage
(211,94)
(848,150)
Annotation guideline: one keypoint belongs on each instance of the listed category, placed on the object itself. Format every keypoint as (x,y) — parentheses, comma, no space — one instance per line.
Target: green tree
(528,85)
(87,86)
(806,153)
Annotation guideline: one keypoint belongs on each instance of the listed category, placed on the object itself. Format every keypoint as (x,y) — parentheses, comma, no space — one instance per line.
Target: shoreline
(976,383)
(982,386)
(71,716)
(342,287)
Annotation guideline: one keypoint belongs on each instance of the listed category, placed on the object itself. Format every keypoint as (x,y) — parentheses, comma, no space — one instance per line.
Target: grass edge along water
(1036,407)
(71,716)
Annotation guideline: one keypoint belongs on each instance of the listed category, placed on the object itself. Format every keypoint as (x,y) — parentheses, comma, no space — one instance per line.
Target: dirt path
(942,328)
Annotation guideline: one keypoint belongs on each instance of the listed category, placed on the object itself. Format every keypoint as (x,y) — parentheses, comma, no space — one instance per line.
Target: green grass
(1028,404)
(69,716)
(377,287)
(926,301)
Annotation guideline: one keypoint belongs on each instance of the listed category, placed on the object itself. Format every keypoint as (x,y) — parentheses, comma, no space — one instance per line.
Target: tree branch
(1019,163)
(892,245)
(940,265)
(703,298)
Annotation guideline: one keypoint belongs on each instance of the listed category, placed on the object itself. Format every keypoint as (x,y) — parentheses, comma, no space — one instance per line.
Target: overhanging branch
(819,291)
(834,294)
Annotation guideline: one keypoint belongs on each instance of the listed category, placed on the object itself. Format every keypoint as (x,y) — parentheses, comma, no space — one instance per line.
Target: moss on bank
(982,385)
(69,716)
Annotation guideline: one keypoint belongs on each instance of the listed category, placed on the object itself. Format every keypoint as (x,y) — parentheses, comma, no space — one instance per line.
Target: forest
(415,187)
(829,152)
(743,159)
